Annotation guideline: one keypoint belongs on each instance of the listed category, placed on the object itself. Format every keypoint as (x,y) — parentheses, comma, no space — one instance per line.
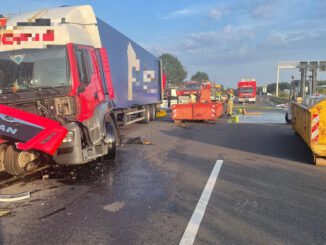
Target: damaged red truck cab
(57,78)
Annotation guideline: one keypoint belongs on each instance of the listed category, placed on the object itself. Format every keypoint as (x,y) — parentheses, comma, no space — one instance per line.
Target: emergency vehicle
(247,90)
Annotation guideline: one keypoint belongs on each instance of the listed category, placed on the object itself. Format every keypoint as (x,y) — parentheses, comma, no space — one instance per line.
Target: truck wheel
(153,112)
(287,120)
(110,141)
(147,114)
(3,148)
(19,162)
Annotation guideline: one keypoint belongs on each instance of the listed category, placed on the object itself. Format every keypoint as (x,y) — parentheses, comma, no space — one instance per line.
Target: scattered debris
(4,212)
(138,140)
(114,207)
(284,106)
(147,143)
(179,123)
(161,113)
(45,177)
(52,213)
(244,112)
(14,197)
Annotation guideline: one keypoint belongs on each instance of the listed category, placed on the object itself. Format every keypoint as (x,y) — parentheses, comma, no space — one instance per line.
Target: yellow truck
(309,121)
(307,111)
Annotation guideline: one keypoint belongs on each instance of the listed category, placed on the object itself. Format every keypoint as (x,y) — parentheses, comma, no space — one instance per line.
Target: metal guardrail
(277,100)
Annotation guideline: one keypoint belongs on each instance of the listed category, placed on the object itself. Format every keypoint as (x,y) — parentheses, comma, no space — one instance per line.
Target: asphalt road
(267,192)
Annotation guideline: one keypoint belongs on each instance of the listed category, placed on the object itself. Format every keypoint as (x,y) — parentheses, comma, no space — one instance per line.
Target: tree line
(176,72)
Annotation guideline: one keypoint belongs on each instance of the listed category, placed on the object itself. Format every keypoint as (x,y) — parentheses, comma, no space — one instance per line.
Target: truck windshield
(246,90)
(193,86)
(34,68)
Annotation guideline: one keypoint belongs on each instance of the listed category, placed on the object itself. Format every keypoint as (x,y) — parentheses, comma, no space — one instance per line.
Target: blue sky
(229,40)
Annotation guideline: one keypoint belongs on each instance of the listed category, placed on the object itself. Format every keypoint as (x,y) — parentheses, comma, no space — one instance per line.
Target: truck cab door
(87,90)
(104,66)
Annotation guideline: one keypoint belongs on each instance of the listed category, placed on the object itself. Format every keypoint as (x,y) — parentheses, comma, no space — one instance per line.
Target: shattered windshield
(35,68)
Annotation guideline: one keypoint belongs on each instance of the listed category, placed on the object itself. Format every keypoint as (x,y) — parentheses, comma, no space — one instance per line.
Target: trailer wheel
(110,141)
(319,161)
(287,120)
(147,114)
(152,112)
(19,162)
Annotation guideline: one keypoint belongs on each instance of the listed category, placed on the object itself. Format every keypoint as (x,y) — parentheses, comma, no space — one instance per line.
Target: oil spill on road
(264,117)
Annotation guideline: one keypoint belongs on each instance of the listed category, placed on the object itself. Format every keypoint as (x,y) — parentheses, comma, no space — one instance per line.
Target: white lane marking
(190,233)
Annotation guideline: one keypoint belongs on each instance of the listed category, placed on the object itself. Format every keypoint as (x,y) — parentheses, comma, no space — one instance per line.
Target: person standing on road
(230,99)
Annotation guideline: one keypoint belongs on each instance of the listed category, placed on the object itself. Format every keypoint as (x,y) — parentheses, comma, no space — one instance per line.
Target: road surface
(266,190)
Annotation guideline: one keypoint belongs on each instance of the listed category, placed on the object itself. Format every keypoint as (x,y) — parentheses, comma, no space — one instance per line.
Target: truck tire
(147,114)
(3,148)
(16,162)
(152,112)
(287,120)
(110,141)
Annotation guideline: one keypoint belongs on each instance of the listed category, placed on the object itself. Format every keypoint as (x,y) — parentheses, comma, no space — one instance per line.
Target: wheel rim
(148,114)
(23,159)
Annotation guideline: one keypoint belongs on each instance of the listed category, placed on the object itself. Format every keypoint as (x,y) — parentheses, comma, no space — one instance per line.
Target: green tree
(271,88)
(200,76)
(174,70)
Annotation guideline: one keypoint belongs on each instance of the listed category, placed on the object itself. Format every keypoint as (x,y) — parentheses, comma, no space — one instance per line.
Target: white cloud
(215,14)
(179,13)
(264,11)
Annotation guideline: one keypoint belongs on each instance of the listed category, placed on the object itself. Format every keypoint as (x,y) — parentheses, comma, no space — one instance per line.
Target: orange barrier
(208,111)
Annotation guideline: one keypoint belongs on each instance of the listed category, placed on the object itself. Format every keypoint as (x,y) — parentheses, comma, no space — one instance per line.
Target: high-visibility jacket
(230,97)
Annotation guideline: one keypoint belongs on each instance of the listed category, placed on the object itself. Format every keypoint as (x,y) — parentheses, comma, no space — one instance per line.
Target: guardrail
(277,100)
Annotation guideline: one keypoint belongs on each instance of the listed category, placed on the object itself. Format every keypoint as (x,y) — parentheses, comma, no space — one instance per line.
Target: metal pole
(303,82)
(314,81)
(277,79)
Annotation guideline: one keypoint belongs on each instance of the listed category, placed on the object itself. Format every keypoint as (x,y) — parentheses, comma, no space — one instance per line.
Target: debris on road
(161,113)
(138,140)
(114,207)
(283,106)
(52,213)
(45,177)
(245,112)
(14,197)
(4,212)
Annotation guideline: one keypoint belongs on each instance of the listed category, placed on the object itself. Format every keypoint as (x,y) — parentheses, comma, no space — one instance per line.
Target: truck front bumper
(247,99)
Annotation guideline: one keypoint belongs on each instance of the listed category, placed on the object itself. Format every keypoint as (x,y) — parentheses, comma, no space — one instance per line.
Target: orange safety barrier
(197,111)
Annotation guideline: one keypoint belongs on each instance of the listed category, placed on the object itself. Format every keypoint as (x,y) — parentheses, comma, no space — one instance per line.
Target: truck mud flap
(32,132)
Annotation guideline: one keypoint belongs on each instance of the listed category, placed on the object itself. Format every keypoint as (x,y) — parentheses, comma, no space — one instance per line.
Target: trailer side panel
(135,72)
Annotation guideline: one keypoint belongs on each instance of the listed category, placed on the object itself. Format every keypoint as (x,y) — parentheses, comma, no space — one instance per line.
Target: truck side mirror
(80,89)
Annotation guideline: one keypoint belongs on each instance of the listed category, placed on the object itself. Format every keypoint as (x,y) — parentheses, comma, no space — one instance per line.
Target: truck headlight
(69,137)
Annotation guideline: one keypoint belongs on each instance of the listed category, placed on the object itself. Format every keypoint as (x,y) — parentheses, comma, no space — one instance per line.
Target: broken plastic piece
(4,212)
(14,197)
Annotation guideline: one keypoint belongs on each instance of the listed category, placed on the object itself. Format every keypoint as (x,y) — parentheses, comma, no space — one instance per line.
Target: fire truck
(247,90)
(190,87)
(67,79)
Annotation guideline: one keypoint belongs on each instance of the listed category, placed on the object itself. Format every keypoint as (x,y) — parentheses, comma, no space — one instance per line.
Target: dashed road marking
(190,233)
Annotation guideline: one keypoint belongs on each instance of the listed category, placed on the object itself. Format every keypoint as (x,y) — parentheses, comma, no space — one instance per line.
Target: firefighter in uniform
(229,100)
(193,98)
